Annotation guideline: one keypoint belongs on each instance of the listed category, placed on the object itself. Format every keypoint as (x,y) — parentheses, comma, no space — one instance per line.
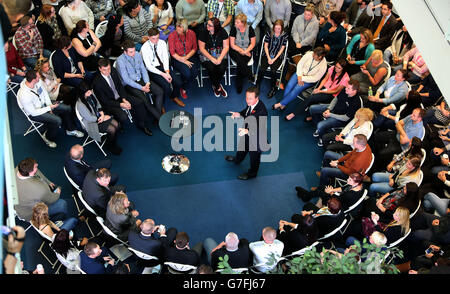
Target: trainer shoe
(316,134)
(183,93)
(49,143)
(216,91)
(75,133)
(320,143)
(222,91)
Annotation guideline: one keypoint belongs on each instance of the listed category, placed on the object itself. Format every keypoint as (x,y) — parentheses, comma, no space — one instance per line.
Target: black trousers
(255,159)
(138,111)
(215,72)
(273,70)
(157,96)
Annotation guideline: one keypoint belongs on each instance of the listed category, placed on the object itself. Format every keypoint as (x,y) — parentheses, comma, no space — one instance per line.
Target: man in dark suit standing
(110,91)
(383,27)
(151,239)
(97,190)
(251,133)
(77,168)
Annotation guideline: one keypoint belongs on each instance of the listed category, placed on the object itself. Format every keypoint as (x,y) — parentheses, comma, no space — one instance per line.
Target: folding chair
(232,64)
(100,30)
(356,204)
(341,182)
(90,209)
(63,260)
(415,211)
(46,240)
(50,59)
(240,270)
(11,86)
(424,156)
(303,250)
(34,124)
(388,75)
(146,257)
(178,268)
(202,76)
(76,189)
(88,139)
(334,232)
(279,70)
(393,244)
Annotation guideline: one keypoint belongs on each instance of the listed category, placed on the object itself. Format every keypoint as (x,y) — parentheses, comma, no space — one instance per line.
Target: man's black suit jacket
(386,33)
(258,112)
(150,245)
(182,256)
(76,171)
(104,92)
(95,195)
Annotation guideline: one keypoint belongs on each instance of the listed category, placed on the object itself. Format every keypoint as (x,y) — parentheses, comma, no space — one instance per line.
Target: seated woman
(372,73)
(394,91)
(385,206)
(434,202)
(428,90)
(328,217)
(393,230)
(439,115)
(161,13)
(386,182)
(342,141)
(335,80)
(136,22)
(297,234)
(183,48)
(41,221)
(56,90)
(62,244)
(213,44)
(274,47)
(16,67)
(95,120)
(432,227)
(119,217)
(310,69)
(67,66)
(390,114)
(86,43)
(359,50)
(113,37)
(242,42)
(414,62)
(73,11)
(401,43)
(414,150)
(332,35)
(348,195)
(50,26)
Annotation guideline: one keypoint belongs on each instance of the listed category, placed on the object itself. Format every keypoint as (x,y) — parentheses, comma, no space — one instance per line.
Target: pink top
(332,84)
(421,67)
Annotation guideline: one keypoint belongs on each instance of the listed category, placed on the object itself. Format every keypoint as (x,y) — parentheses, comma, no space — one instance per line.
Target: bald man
(77,168)
(262,250)
(237,250)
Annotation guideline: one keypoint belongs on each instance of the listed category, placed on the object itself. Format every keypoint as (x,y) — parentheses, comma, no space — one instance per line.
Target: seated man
(77,168)
(388,143)
(97,190)
(277,9)
(237,250)
(36,103)
(113,97)
(357,161)
(338,113)
(29,43)
(359,16)
(181,253)
(96,260)
(135,78)
(34,187)
(263,250)
(151,239)
(383,27)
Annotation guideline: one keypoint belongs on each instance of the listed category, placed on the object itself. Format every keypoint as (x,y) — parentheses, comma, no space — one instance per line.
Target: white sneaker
(49,143)
(75,133)
(316,134)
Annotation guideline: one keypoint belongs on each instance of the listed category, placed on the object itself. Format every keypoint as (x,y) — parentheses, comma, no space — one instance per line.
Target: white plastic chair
(88,139)
(357,203)
(415,211)
(178,268)
(147,257)
(303,250)
(388,75)
(393,244)
(100,30)
(63,261)
(279,70)
(108,231)
(46,240)
(90,209)
(424,156)
(35,125)
(50,59)
(11,86)
(334,232)
(232,64)
(420,178)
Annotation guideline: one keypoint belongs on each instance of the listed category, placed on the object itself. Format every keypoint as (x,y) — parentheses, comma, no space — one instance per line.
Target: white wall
(428,36)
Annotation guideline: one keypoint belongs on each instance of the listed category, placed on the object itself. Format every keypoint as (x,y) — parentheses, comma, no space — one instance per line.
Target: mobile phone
(6,231)
(429,250)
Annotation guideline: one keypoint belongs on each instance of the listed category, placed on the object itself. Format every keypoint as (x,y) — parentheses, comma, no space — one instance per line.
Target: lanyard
(183,43)
(312,67)
(39,97)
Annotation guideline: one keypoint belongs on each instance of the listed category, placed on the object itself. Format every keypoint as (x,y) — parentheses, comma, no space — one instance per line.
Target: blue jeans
(69,224)
(293,89)
(431,200)
(326,125)
(209,244)
(58,208)
(316,110)
(380,184)
(187,74)
(53,121)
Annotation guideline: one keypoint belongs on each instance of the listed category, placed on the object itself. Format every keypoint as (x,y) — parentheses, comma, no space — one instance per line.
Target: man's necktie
(113,87)
(380,26)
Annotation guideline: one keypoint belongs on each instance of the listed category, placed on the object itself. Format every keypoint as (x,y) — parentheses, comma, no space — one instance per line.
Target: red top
(13,59)
(182,44)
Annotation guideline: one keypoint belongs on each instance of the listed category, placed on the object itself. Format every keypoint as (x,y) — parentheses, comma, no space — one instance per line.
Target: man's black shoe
(147,131)
(272,92)
(245,177)
(114,149)
(229,158)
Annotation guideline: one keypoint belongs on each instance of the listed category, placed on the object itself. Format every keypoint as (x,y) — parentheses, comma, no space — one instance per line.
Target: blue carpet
(205,201)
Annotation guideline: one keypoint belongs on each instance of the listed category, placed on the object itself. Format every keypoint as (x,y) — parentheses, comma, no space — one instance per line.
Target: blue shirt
(132,69)
(253,11)
(412,130)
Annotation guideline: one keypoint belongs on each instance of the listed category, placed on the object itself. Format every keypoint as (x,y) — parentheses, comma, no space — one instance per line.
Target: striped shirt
(137,27)
(275,43)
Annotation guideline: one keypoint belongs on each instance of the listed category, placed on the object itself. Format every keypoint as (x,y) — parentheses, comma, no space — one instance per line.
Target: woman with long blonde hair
(42,222)
(120,216)
(397,228)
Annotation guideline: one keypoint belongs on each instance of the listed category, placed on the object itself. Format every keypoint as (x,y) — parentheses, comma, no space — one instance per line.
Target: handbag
(164,34)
